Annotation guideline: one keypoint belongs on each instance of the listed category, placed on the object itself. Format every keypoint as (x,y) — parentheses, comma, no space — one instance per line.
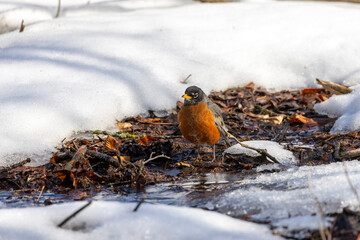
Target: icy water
(192,192)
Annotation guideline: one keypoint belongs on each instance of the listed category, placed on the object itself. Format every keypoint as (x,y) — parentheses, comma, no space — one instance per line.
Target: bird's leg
(214,155)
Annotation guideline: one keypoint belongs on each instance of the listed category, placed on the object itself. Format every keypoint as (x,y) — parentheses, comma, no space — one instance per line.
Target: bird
(200,119)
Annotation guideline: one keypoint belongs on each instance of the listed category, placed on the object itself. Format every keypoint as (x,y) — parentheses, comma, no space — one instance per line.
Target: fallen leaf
(123,158)
(307,91)
(146,140)
(250,85)
(266,116)
(111,143)
(321,97)
(298,118)
(125,125)
(184,164)
(276,119)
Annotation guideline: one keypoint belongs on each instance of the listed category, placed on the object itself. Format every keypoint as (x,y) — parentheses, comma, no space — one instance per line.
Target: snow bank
(89,67)
(113,220)
(346,108)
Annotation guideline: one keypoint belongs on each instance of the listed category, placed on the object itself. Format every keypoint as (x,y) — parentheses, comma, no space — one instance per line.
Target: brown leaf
(321,97)
(266,116)
(111,143)
(123,158)
(298,118)
(276,119)
(146,140)
(334,87)
(307,91)
(184,164)
(61,174)
(124,125)
(250,85)
(77,157)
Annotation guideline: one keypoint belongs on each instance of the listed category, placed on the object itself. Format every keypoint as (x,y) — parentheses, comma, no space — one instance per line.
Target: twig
(156,157)
(127,135)
(74,214)
(337,146)
(104,158)
(281,136)
(262,152)
(185,81)
(351,154)
(350,183)
(58,9)
(19,164)
(42,189)
(324,232)
(139,203)
(22,26)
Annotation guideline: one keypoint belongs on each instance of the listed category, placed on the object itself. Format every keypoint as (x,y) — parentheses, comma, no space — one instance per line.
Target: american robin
(200,119)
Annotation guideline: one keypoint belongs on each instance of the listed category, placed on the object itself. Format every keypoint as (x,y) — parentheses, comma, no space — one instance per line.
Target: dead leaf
(321,97)
(276,119)
(334,87)
(77,157)
(266,116)
(307,91)
(146,140)
(184,164)
(111,143)
(61,174)
(123,158)
(298,118)
(250,85)
(125,125)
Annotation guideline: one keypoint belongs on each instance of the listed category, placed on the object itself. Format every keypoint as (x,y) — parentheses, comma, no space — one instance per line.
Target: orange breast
(197,124)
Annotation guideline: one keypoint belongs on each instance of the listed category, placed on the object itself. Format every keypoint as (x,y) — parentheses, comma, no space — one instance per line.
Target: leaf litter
(144,150)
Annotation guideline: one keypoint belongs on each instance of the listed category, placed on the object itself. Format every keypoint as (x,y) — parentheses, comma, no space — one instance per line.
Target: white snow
(275,149)
(114,220)
(105,60)
(344,107)
(285,197)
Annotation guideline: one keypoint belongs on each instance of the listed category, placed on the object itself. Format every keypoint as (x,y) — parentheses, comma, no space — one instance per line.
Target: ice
(276,197)
(275,149)
(114,220)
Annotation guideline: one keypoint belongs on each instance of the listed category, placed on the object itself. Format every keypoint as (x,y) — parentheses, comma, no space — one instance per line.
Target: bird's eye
(195,95)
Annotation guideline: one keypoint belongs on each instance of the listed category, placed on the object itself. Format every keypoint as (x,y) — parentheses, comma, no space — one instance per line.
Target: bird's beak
(186,96)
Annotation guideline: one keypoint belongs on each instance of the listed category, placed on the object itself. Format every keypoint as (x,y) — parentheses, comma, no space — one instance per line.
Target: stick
(74,214)
(22,26)
(19,164)
(58,9)
(263,152)
(156,157)
(139,203)
(350,183)
(127,135)
(185,81)
(104,158)
(323,231)
(333,87)
(351,154)
(42,189)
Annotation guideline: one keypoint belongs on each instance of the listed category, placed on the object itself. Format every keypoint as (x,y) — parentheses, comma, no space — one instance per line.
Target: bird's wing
(219,121)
